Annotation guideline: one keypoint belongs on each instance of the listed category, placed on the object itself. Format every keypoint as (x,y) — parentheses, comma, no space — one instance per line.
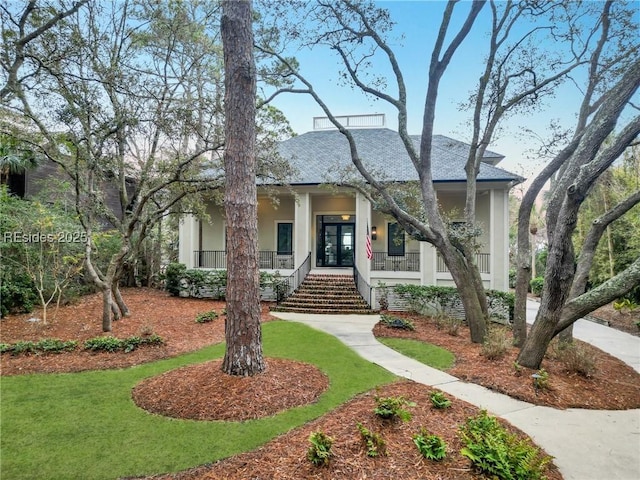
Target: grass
(85,425)
(426,353)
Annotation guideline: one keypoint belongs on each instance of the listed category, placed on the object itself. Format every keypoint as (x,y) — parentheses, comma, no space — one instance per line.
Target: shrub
(173,276)
(374,442)
(439,400)
(396,322)
(496,344)
(319,453)
(54,345)
(25,347)
(536,285)
(576,359)
(47,345)
(435,300)
(494,450)
(431,447)
(104,344)
(113,344)
(206,317)
(393,407)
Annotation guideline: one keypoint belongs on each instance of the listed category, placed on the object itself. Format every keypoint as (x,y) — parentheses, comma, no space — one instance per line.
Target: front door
(336,246)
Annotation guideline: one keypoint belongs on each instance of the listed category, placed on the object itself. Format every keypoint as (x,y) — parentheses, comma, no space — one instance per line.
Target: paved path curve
(586,444)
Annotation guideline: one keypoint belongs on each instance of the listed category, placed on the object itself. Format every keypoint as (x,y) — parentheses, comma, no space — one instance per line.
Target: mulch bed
(613,386)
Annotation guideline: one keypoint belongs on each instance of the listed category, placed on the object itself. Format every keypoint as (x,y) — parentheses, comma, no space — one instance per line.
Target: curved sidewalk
(586,444)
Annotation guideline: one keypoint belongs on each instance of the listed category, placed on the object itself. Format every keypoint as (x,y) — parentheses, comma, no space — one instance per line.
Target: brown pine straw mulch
(288,383)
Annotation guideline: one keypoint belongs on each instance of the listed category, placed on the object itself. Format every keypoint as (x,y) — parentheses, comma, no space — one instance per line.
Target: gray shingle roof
(318,154)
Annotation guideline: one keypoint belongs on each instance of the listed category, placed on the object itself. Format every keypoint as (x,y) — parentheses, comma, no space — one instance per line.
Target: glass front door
(336,245)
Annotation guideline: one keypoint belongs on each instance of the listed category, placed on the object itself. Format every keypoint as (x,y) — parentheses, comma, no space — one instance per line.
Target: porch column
(363,218)
(302,228)
(499,239)
(427,264)
(189,237)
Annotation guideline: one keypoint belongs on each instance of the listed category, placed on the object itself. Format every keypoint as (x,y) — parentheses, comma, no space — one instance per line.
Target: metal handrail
(294,280)
(363,287)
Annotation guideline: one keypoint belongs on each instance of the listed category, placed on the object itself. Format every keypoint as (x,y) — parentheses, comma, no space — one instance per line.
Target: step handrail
(294,280)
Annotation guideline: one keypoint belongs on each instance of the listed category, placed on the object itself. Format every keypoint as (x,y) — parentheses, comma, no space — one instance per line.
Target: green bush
(374,442)
(445,301)
(495,451)
(319,453)
(47,345)
(25,347)
(536,285)
(172,276)
(206,317)
(431,447)
(113,344)
(17,293)
(54,345)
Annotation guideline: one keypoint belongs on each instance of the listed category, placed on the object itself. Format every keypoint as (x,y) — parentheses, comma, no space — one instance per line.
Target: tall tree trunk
(243,355)
(471,291)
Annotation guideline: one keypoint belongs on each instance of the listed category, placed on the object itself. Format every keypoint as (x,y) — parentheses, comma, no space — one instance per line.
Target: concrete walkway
(586,444)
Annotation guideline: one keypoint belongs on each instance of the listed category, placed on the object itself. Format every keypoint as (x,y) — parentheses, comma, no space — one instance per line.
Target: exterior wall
(309,202)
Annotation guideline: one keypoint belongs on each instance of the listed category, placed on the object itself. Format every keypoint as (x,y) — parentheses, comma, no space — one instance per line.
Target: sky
(418,21)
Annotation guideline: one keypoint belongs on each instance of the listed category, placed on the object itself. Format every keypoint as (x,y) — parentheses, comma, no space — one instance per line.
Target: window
(395,240)
(285,238)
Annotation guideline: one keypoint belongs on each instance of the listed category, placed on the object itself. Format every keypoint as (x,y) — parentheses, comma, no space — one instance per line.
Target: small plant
(448,323)
(104,344)
(146,331)
(319,453)
(501,454)
(383,299)
(439,400)
(54,345)
(393,407)
(576,359)
(206,317)
(624,304)
(541,379)
(5,347)
(374,442)
(496,343)
(517,369)
(25,347)
(431,447)
(396,322)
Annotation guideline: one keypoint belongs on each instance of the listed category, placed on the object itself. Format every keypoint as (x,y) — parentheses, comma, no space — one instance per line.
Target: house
(316,227)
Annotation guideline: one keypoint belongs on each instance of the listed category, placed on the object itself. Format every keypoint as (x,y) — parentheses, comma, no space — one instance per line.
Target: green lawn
(426,353)
(85,425)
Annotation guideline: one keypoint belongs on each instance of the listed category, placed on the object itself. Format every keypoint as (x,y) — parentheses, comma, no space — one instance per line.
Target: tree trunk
(243,355)
(471,293)
(106,309)
(119,301)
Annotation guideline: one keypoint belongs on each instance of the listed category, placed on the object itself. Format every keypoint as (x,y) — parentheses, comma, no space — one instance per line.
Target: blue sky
(419,21)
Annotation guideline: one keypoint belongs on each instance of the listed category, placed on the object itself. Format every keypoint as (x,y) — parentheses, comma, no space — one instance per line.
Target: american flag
(367,244)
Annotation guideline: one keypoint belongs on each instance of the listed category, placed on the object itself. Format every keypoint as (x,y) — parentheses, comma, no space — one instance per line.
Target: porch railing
(483,261)
(268,260)
(409,262)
